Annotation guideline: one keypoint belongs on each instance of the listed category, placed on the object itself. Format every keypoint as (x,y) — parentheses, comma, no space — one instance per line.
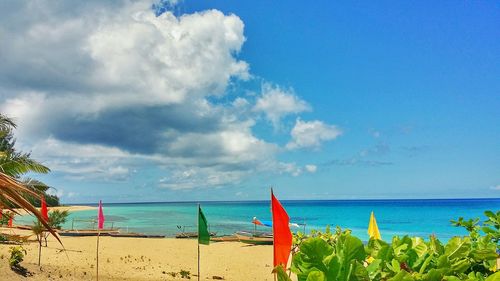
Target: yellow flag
(373,228)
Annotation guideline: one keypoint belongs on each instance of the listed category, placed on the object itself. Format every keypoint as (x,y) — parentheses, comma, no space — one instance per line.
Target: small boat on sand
(255,238)
(87,232)
(190,234)
(135,235)
(225,238)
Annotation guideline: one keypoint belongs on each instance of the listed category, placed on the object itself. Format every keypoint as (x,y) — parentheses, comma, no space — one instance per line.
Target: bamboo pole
(198,260)
(39,237)
(198,224)
(97,255)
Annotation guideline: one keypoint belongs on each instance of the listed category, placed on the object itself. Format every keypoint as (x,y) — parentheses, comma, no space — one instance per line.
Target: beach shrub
(16,256)
(339,256)
(57,218)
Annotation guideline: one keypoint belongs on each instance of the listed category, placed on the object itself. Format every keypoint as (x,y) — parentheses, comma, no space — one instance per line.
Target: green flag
(203,235)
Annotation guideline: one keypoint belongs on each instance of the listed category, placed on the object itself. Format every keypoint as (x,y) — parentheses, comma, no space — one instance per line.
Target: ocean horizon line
(289,201)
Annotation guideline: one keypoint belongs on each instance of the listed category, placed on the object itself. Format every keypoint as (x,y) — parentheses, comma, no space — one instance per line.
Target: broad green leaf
(402,276)
(435,246)
(451,278)
(351,248)
(281,274)
(374,266)
(334,268)
(419,245)
(425,264)
(443,262)
(315,250)
(316,276)
(359,272)
(483,254)
(494,277)
(460,266)
(458,247)
(395,266)
(435,275)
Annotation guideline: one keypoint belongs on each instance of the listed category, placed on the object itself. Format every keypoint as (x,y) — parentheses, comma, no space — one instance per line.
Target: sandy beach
(61,208)
(140,259)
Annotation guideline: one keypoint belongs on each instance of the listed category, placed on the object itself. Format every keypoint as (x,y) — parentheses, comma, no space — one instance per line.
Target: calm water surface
(394,217)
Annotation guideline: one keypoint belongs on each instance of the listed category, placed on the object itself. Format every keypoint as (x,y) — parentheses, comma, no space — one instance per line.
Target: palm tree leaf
(16,164)
(11,189)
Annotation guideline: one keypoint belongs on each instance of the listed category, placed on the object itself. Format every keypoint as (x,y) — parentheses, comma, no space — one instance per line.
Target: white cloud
(311,168)
(101,89)
(276,103)
(495,187)
(311,134)
(86,160)
(290,168)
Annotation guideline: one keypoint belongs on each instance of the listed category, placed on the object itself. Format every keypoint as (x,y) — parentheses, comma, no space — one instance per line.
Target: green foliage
(15,164)
(16,256)
(339,256)
(4,219)
(320,259)
(57,218)
(38,228)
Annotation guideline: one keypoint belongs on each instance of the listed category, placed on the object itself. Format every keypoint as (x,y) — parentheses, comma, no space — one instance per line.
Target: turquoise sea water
(394,217)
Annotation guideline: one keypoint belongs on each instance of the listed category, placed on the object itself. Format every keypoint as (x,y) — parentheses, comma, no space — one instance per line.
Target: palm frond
(35,185)
(17,164)
(11,190)
(6,123)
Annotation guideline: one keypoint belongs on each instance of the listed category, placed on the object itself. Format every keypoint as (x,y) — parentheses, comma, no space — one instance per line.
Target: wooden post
(198,229)
(39,236)
(97,255)
(198,260)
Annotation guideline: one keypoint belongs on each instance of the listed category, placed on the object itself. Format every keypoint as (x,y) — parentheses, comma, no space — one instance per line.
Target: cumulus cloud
(276,102)
(101,89)
(311,134)
(311,168)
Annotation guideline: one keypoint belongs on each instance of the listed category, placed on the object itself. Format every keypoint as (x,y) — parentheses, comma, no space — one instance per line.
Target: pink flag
(100,217)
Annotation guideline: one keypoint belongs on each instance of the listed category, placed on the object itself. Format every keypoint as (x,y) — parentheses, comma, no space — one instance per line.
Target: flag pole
(273,232)
(97,255)
(198,224)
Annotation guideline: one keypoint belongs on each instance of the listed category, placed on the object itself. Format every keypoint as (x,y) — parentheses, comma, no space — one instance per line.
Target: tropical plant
(340,256)
(15,164)
(12,191)
(38,230)
(12,165)
(57,218)
(16,256)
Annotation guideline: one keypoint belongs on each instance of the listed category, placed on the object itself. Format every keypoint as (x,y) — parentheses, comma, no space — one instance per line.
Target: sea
(422,217)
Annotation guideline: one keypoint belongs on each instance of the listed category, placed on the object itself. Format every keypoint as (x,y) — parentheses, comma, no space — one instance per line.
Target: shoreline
(69,208)
(141,259)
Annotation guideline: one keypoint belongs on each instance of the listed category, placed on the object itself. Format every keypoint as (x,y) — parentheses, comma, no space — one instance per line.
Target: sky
(142,101)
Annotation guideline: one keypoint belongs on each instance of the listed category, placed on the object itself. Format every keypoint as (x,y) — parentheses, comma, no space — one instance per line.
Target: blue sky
(219,100)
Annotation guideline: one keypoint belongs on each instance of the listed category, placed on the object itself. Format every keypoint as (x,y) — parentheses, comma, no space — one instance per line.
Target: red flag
(44,211)
(10,222)
(281,232)
(100,217)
